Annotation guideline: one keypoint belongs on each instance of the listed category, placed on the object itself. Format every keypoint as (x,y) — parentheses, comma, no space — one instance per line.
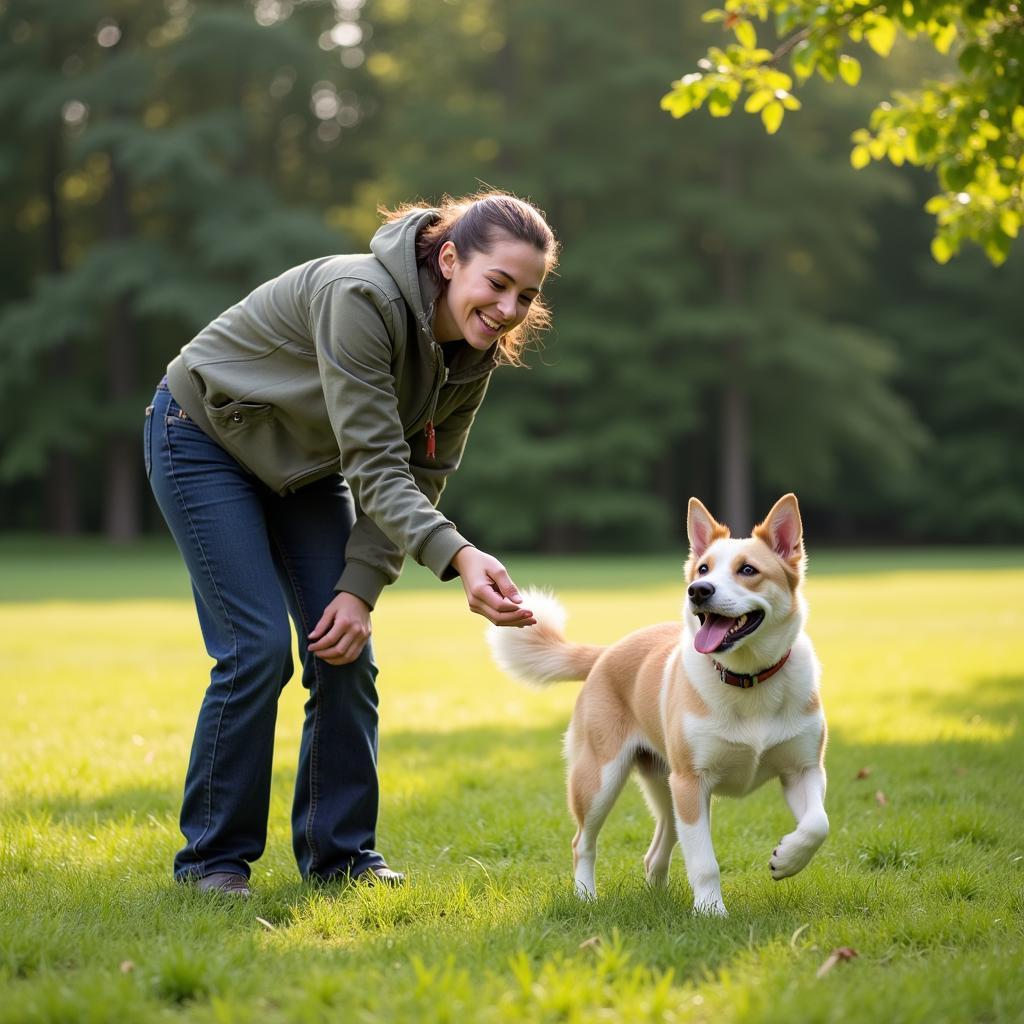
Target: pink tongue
(712,633)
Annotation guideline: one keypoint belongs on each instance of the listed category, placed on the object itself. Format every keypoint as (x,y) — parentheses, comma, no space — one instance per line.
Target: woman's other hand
(341,634)
(489,589)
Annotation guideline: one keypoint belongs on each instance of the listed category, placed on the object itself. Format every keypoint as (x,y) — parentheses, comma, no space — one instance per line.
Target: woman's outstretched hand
(341,634)
(489,589)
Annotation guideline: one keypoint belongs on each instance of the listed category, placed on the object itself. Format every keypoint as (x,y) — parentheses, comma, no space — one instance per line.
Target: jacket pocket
(252,434)
(236,414)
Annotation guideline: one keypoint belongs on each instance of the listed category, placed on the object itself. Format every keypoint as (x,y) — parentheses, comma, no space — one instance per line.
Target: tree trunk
(63,506)
(123,510)
(736,470)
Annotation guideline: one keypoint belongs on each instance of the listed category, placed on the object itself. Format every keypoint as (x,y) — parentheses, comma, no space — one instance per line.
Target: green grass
(101,673)
(36,568)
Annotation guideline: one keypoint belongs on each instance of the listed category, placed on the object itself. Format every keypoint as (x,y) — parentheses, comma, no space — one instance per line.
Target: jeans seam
(314,796)
(234,643)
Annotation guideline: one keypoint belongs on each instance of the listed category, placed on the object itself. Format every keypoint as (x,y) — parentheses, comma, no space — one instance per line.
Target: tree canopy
(736,315)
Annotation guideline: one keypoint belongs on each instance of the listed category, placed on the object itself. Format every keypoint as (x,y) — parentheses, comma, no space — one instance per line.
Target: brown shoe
(226,882)
(381,875)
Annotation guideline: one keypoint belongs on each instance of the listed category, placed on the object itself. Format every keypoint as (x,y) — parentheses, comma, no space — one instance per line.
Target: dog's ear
(783,531)
(702,528)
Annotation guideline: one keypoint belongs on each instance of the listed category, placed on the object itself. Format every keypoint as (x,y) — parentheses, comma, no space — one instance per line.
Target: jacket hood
(394,245)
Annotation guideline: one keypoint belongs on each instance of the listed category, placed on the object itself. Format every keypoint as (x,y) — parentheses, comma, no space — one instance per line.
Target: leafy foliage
(967,127)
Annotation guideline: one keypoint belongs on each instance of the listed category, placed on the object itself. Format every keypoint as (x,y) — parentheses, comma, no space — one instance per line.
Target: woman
(372,365)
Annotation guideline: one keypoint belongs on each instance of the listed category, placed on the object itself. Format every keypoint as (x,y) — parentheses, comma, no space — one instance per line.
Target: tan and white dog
(717,705)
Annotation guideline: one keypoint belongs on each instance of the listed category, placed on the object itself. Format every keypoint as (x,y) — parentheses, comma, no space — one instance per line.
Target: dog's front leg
(691,798)
(805,793)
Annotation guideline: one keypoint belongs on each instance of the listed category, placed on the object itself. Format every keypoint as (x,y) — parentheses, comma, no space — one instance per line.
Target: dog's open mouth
(719,632)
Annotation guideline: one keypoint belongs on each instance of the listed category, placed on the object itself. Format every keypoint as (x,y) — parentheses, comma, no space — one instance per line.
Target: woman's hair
(474,223)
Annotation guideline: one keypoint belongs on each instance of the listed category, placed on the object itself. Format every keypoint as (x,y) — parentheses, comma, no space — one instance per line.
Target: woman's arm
(353,323)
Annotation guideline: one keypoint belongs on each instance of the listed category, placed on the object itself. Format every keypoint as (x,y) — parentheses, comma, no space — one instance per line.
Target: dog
(718,704)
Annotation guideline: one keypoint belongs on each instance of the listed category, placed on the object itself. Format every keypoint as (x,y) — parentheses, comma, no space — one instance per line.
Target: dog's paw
(790,856)
(584,893)
(710,907)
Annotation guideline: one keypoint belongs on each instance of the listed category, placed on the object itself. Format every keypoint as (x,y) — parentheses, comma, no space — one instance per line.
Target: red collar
(746,682)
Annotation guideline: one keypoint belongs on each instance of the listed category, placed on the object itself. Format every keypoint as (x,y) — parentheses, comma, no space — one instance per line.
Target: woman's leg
(215,511)
(334,814)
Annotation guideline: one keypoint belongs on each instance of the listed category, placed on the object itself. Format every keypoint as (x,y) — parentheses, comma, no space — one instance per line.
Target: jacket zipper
(428,429)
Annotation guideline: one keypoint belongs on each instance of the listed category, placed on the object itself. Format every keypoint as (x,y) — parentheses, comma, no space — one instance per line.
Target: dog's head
(743,593)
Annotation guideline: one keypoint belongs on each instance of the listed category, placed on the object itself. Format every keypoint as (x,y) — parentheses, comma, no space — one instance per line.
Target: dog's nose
(700,592)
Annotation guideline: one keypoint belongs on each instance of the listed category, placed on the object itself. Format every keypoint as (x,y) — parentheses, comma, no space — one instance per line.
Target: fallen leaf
(880,799)
(594,942)
(127,966)
(843,953)
(863,773)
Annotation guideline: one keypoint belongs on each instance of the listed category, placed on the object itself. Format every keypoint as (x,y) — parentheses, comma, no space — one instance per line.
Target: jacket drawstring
(429,428)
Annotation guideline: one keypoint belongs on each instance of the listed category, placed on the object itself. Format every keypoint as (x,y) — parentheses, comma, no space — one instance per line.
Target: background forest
(736,315)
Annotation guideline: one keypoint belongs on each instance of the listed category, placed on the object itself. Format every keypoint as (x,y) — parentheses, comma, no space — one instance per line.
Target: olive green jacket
(334,366)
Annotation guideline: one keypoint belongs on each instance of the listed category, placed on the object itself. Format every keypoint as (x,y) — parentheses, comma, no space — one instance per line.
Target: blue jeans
(254,558)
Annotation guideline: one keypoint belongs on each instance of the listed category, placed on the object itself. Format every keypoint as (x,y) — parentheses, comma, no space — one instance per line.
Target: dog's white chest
(734,757)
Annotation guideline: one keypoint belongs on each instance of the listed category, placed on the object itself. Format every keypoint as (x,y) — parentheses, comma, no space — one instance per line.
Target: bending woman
(297,449)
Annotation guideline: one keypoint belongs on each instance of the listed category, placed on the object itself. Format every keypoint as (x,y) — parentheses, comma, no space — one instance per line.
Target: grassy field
(101,674)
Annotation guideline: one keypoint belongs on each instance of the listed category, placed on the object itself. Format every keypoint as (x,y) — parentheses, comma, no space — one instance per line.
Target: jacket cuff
(441,547)
(362,580)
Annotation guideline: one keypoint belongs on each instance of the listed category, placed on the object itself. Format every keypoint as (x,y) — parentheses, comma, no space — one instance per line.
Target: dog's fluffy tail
(540,654)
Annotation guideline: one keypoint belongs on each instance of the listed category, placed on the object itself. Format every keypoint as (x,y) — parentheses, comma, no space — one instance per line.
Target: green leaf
(746,36)
(969,58)
(849,69)
(881,35)
(942,251)
(997,248)
(803,60)
(678,103)
(772,117)
(943,37)
(756,101)
(1009,222)
(927,140)
(720,103)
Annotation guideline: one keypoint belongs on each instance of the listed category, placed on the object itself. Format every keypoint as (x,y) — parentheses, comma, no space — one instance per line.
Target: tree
(968,127)
(174,137)
(695,338)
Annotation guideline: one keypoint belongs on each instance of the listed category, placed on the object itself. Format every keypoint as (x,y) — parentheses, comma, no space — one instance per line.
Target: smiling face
(488,293)
(736,586)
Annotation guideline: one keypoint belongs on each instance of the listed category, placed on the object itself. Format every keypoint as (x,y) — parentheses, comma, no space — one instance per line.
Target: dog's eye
(747,570)
(702,569)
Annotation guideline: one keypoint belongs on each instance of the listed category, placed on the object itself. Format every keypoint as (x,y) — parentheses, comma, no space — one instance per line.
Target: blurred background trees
(736,315)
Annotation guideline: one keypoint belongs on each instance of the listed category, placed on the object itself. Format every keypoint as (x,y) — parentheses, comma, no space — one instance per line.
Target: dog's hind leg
(653,778)
(593,789)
